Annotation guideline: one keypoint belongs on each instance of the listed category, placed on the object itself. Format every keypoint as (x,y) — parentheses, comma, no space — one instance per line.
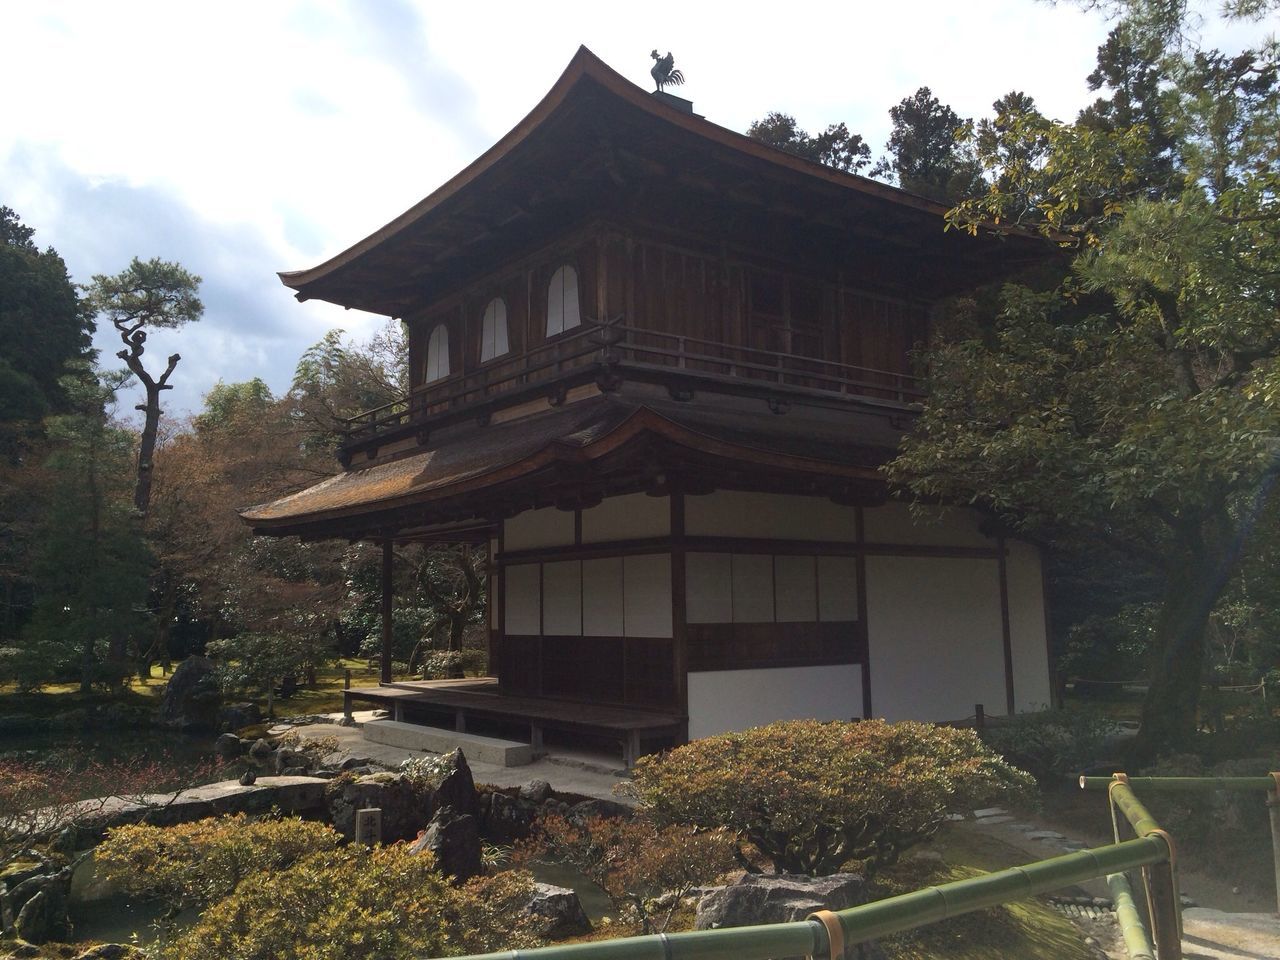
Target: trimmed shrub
(634,862)
(1052,744)
(813,796)
(385,903)
(195,864)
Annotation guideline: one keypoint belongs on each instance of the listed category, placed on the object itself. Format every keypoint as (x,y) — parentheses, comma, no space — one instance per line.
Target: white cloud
(242,138)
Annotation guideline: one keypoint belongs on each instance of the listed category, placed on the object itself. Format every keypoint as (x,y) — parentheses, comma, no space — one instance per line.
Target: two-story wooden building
(656,366)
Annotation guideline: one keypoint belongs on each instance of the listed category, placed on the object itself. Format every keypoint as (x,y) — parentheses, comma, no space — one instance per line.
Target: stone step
(416,736)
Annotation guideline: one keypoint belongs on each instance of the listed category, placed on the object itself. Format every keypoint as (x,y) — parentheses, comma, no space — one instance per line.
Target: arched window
(438,354)
(562,301)
(493,330)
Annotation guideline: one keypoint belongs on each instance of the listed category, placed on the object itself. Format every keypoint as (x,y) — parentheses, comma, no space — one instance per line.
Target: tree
(1137,403)
(928,153)
(91,563)
(835,146)
(43,326)
(150,295)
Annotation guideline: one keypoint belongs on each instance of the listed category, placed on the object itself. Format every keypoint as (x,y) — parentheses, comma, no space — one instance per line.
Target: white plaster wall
(708,588)
(635,516)
(562,598)
(1026,627)
(724,700)
(837,588)
(951,527)
(773,516)
(602,597)
(533,529)
(752,588)
(524,605)
(647,595)
(935,637)
(795,589)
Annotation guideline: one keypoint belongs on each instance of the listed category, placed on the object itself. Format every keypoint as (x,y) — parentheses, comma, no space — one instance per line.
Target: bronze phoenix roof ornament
(664,71)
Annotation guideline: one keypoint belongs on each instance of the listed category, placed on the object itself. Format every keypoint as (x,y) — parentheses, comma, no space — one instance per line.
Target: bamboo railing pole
(872,920)
(1137,942)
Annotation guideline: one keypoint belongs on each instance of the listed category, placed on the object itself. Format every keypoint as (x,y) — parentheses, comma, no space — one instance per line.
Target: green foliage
(1051,745)
(42,322)
(635,862)
(254,662)
(813,796)
(928,153)
(834,147)
(196,864)
(1138,402)
(92,562)
(153,293)
(428,771)
(228,405)
(359,904)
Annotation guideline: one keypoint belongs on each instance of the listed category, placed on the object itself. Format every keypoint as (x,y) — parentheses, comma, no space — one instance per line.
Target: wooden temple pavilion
(655,367)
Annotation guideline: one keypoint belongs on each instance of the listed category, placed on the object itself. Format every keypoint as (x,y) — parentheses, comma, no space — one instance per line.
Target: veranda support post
(385,675)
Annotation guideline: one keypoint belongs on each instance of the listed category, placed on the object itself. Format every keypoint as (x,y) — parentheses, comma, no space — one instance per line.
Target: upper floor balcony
(607,353)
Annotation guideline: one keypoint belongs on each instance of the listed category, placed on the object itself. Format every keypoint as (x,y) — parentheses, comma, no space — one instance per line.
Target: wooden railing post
(1273,812)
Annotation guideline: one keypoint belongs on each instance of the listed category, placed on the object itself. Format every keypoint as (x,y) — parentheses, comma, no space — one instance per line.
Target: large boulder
(406,808)
(506,819)
(237,716)
(782,898)
(454,840)
(558,911)
(191,698)
(457,788)
(229,746)
(43,915)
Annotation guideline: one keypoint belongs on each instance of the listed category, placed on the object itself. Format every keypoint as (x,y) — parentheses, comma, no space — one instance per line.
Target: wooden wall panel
(648,680)
(517,664)
(742,646)
(583,668)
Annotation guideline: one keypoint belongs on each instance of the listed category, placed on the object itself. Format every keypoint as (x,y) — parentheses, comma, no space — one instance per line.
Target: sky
(244,138)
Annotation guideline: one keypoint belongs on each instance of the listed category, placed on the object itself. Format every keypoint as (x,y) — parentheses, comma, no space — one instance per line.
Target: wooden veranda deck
(480,699)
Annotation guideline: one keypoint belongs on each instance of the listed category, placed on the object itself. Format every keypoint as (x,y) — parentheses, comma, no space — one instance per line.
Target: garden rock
(596,807)
(237,716)
(783,898)
(229,746)
(405,808)
(506,819)
(291,761)
(112,951)
(535,791)
(44,916)
(454,840)
(191,698)
(559,912)
(457,788)
(261,749)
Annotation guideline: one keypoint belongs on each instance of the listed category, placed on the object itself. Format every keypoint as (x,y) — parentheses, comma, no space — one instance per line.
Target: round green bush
(813,796)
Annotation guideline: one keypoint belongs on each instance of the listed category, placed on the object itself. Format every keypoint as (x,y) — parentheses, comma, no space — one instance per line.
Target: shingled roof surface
(503,452)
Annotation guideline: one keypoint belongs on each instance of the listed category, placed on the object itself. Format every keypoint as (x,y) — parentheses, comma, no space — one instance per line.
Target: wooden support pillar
(385,676)
(1006,634)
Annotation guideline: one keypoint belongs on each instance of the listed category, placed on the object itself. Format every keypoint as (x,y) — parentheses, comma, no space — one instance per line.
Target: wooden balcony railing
(613,343)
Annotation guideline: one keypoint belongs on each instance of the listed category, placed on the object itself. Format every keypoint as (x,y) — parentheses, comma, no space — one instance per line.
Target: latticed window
(562,301)
(493,330)
(437,354)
